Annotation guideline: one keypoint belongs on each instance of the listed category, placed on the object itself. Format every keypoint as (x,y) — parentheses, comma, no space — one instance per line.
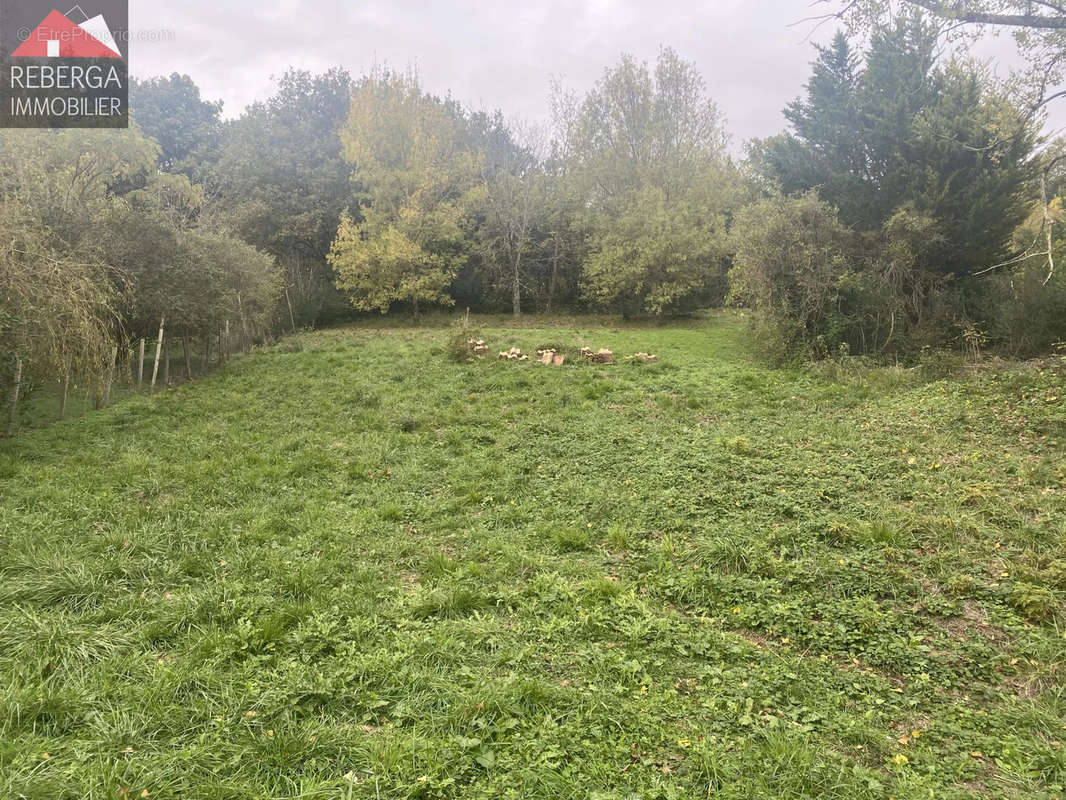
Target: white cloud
(487,54)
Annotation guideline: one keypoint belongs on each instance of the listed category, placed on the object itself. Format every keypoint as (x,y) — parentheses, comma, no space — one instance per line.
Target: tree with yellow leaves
(422,182)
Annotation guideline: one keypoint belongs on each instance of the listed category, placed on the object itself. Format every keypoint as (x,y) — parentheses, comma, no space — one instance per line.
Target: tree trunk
(166,362)
(205,362)
(555,276)
(13,402)
(292,317)
(516,296)
(158,351)
(245,339)
(188,362)
(1049,227)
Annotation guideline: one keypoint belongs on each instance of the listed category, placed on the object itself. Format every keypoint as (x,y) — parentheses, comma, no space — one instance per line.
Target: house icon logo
(58,36)
(64,70)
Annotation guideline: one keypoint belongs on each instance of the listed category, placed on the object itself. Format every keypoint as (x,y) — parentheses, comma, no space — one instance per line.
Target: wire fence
(144,366)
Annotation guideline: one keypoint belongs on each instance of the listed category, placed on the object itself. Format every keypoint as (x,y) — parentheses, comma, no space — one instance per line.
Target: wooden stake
(110,376)
(292,317)
(158,351)
(13,403)
(140,367)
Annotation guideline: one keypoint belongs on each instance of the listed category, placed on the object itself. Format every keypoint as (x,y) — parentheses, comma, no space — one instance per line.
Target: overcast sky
(488,53)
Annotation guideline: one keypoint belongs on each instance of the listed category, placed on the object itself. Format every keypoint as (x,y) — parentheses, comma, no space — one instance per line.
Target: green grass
(348,567)
(41,406)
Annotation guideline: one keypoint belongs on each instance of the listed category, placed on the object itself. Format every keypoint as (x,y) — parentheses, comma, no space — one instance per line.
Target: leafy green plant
(1036,602)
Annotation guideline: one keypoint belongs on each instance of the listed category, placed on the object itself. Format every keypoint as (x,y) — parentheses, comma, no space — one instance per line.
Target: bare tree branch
(1042,21)
(955,11)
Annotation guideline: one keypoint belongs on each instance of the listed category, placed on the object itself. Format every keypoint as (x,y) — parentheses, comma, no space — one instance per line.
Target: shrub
(458,346)
(822,290)
(1036,602)
(1027,315)
(791,266)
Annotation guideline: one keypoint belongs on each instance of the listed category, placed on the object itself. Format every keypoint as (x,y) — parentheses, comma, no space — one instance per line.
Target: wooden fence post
(140,367)
(158,351)
(110,376)
(292,317)
(13,403)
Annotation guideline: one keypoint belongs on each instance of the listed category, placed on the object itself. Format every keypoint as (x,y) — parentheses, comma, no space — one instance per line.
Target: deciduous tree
(422,183)
(656,186)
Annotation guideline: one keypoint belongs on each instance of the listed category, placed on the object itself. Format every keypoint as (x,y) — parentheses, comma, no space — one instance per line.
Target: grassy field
(347,567)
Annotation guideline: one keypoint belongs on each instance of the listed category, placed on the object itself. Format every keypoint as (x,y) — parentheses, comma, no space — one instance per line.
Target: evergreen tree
(827,149)
(906,134)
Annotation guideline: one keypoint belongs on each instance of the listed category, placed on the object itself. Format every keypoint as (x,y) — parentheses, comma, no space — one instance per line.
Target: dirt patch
(974,621)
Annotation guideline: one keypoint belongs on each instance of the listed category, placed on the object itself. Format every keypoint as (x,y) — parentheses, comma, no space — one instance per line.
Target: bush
(1035,602)
(1027,316)
(458,346)
(820,290)
(791,266)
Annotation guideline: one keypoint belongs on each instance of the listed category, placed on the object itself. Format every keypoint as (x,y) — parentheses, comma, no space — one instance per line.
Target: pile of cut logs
(603,357)
(514,354)
(551,358)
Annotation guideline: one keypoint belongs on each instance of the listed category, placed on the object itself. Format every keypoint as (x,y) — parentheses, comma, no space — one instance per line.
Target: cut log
(603,357)
(647,358)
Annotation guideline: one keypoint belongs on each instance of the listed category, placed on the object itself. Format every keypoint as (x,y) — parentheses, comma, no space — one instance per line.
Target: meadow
(349,567)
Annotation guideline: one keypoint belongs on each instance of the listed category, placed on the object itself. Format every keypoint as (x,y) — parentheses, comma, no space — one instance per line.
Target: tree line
(897,212)
(99,246)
